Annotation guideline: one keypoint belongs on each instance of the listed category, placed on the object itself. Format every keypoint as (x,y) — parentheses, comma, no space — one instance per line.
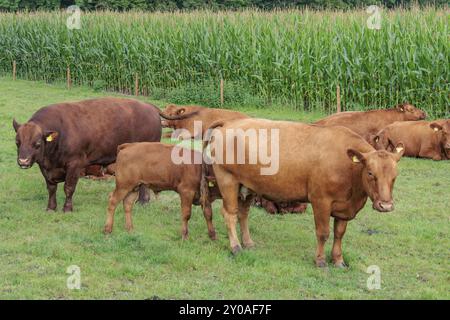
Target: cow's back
(96,127)
(208,116)
(157,165)
(310,158)
(364,123)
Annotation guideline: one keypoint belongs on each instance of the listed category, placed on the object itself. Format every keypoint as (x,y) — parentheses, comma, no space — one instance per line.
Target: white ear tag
(399,149)
(355,159)
(436,129)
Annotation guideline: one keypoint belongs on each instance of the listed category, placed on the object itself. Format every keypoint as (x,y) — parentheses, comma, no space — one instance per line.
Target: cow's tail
(177,117)
(204,187)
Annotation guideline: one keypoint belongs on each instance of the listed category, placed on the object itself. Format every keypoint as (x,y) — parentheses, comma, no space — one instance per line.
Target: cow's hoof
(50,209)
(184,237)
(212,235)
(236,249)
(107,230)
(67,209)
(341,265)
(321,264)
(249,245)
(129,229)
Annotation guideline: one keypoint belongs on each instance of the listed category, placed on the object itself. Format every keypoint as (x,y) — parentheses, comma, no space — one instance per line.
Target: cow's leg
(51,188)
(128,203)
(230,209)
(229,189)
(114,198)
(187,197)
(430,153)
(207,212)
(322,213)
(244,208)
(70,184)
(336,253)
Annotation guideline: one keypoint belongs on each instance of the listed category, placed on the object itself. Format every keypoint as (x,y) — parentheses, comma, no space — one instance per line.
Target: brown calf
(151,164)
(423,139)
(280,207)
(333,168)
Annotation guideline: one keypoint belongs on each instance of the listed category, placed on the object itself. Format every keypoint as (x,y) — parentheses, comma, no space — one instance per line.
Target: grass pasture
(410,245)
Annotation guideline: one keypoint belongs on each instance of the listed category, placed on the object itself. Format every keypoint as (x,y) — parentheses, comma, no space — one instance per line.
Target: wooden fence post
(338,98)
(136,84)
(69,81)
(14,70)
(221,92)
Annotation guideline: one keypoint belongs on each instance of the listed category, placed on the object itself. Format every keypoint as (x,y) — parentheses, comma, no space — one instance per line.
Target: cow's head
(31,141)
(172,110)
(410,112)
(443,132)
(379,171)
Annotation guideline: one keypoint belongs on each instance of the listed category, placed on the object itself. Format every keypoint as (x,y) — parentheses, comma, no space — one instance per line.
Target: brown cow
(368,123)
(333,168)
(67,137)
(98,172)
(423,139)
(280,207)
(187,115)
(151,164)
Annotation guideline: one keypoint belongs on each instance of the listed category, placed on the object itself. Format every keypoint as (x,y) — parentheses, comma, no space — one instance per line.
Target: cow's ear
(51,136)
(356,156)
(16,125)
(373,139)
(435,126)
(401,107)
(399,150)
(181,111)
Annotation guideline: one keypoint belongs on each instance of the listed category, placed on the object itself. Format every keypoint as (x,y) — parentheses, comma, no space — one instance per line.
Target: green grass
(293,56)
(410,245)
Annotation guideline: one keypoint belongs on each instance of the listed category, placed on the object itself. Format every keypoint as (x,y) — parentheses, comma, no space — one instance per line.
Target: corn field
(291,57)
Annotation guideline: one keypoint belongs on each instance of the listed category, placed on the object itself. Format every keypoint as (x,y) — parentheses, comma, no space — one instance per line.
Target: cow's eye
(37,145)
(370,174)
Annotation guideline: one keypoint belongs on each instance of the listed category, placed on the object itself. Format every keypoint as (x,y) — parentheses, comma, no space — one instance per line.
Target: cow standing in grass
(65,138)
(333,168)
(153,165)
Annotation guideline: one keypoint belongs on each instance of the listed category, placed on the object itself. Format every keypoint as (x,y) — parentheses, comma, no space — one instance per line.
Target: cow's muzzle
(383,206)
(24,163)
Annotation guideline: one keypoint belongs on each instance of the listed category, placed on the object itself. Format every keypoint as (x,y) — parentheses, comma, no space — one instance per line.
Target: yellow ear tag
(399,149)
(355,159)
(436,129)
(210,184)
(49,138)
